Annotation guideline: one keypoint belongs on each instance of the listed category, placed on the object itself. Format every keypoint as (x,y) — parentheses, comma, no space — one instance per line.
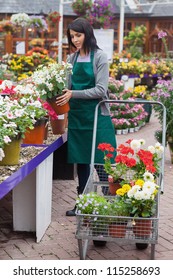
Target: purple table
(31,187)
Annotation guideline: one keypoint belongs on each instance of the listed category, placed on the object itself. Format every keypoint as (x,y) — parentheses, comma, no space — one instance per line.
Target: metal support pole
(60,32)
(121,30)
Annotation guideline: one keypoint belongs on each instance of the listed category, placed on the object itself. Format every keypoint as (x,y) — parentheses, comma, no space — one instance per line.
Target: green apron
(81,119)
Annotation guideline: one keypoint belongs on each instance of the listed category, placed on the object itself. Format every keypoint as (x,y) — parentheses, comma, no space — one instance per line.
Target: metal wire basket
(114,228)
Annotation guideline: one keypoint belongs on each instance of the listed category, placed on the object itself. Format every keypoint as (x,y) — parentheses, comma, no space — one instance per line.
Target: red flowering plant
(132,162)
(6,87)
(53,17)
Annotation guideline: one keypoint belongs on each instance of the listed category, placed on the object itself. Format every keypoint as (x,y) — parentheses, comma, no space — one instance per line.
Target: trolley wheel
(141,246)
(99,243)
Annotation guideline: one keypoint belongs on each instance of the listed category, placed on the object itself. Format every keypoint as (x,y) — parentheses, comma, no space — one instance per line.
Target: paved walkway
(59,241)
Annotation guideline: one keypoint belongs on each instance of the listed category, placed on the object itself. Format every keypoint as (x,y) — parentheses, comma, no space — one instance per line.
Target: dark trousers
(83,171)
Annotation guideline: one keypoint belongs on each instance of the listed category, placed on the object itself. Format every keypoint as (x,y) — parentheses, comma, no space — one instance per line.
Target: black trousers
(83,171)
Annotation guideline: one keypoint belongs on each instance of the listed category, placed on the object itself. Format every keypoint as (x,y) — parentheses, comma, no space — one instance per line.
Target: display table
(31,187)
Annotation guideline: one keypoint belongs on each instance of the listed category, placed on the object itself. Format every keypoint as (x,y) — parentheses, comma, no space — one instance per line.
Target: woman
(88,86)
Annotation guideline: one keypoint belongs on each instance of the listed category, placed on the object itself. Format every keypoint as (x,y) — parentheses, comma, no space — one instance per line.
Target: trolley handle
(129,102)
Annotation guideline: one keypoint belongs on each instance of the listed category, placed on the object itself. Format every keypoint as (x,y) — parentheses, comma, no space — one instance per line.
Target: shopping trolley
(86,230)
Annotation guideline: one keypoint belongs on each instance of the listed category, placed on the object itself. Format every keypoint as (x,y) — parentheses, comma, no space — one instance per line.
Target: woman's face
(77,39)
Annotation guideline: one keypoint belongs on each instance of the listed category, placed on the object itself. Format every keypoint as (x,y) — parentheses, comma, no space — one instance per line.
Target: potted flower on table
(49,82)
(14,121)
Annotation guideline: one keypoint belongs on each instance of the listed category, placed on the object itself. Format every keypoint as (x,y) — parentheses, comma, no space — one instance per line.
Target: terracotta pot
(60,110)
(12,153)
(59,125)
(142,228)
(113,187)
(36,135)
(117,230)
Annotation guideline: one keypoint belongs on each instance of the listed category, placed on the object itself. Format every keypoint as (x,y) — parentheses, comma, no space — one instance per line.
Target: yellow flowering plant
(140,196)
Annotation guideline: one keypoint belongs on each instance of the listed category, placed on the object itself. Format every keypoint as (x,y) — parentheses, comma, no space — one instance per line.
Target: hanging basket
(12,153)
(36,135)
(60,110)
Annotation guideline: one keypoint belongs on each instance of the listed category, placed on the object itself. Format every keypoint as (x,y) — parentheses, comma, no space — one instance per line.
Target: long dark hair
(82,25)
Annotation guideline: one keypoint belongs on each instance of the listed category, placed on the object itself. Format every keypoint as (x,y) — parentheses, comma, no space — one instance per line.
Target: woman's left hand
(63,99)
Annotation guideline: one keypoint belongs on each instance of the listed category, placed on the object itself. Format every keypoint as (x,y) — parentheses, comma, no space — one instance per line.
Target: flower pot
(125,131)
(12,153)
(113,187)
(59,125)
(36,135)
(142,228)
(117,230)
(131,129)
(118,131)
(60,110)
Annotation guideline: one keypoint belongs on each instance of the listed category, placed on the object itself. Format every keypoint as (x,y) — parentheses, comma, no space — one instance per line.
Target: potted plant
(100,14)
(94,208)
(81,7)
(163,92)
(14,121)
(20,19)
(49,82)
(136,40)
(131,161)
(118,213)
(53,18)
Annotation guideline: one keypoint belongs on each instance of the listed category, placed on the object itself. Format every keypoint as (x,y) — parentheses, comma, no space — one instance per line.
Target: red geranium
(131,160)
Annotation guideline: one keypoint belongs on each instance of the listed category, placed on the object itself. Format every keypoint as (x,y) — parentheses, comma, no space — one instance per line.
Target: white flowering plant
(140,196)
(21,19)
(19,112)
(50,80)
(14,121)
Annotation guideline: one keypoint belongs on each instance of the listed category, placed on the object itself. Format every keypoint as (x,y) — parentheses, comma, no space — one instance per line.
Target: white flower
(135,144)
(138,195)
(148,176)
(6,84)
(6,139)
(159,148)
(20,19)
(149,186)
(133,190)
(151,149)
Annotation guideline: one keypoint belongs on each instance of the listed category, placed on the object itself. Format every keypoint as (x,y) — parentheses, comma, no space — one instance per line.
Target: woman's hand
(63,99)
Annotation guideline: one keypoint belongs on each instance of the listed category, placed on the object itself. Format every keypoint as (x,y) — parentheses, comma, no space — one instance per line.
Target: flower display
(140,67)
(81,7)
(7,26)
(14,120)
(101,14)
(141,91)
(92,203)
(140,196)
(131,161)
(162,35)
(98,13)
(115,86)
(163,92)
(52,79)
(21,19)
(24,65)
(38,22)
(53,17)
(7,87)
